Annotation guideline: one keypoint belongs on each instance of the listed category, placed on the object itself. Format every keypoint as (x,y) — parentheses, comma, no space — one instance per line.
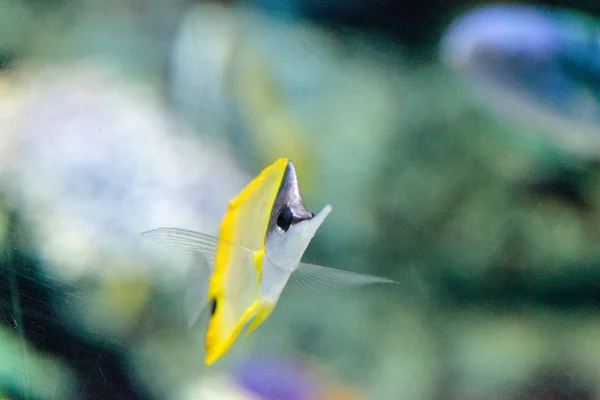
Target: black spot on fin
(213,307)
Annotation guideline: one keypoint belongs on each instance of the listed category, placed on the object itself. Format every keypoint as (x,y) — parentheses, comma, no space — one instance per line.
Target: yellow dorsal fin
(235,280)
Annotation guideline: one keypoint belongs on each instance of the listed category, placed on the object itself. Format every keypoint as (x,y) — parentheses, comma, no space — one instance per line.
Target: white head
(291,226)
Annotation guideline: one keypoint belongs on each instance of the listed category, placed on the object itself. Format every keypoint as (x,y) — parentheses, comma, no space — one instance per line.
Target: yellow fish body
(245,224)
(262,238)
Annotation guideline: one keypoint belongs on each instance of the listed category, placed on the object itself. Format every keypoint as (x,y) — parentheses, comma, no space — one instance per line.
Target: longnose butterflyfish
(262,238)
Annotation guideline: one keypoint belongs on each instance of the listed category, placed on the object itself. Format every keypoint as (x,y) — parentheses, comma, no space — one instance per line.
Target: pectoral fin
(199,249)
(311,279)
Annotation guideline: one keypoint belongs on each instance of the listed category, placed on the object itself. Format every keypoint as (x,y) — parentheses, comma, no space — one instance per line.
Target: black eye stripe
(285,218)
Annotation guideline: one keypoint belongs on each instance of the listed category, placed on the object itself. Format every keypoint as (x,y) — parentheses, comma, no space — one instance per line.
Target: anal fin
(217,346)
(263,311)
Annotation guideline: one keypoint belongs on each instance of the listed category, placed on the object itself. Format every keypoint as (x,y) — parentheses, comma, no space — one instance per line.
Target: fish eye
(284,218)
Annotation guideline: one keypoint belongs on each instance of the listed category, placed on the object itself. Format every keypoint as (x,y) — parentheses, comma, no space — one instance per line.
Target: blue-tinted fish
(535,65)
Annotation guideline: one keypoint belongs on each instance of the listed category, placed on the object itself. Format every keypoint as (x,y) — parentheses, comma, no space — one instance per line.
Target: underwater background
(457,141)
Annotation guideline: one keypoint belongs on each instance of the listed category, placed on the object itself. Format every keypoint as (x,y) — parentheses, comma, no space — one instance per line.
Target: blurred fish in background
(284,84)
(117,117)
(537,65)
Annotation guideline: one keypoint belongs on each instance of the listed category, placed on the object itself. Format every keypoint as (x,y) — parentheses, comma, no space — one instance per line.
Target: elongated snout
(312,225)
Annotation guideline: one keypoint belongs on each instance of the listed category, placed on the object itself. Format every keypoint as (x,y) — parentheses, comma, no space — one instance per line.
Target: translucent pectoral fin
(200,250)
(183,240)
(314,279)
(196,290)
